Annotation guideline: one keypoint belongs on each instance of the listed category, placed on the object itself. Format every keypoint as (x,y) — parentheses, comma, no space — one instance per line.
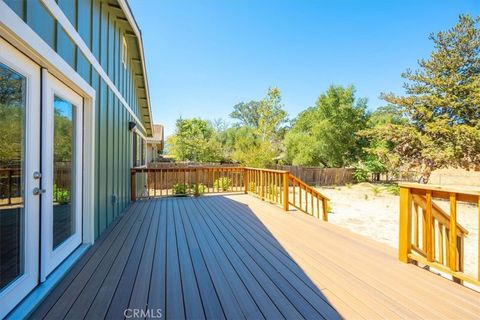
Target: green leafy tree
(256,138)
(194,141)
(326,134)
(442,102)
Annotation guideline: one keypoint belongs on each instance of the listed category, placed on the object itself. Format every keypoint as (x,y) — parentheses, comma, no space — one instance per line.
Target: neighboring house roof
(146,110)
(157,134)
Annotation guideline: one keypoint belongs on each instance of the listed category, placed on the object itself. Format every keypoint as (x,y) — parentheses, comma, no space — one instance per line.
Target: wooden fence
(431,236)
(315,176)
(276,186)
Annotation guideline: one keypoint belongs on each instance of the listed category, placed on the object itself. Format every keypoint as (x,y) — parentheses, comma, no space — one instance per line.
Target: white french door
(19,175)
(61,225)
(41,122)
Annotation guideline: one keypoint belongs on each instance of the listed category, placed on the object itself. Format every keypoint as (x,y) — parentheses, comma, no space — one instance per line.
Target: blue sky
(204,56)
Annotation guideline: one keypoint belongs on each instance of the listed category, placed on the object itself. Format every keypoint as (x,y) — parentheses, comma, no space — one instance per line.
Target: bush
(376,191)
(223,184)
(180,189)
(252,187)
(394,189)
(360,175)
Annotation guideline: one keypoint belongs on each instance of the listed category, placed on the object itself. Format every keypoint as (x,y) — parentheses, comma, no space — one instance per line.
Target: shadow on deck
(234,256)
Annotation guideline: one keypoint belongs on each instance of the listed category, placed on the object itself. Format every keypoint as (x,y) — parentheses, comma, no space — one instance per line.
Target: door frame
(51,257)
(16,290)
(20,35)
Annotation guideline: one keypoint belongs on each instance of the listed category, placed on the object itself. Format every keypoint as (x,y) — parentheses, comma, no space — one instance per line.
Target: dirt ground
(372,211)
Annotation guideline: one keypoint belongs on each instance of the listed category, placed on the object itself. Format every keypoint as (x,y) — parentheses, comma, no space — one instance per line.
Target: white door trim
(20,35)
(18,289)
(52,257)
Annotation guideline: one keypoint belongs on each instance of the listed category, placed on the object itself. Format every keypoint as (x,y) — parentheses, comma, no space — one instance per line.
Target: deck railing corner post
(405,247)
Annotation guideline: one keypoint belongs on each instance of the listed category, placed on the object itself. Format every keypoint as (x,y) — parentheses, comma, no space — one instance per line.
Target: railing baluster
(428,227)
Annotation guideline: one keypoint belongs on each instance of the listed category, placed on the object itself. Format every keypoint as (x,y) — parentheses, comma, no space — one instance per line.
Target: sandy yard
(376,216)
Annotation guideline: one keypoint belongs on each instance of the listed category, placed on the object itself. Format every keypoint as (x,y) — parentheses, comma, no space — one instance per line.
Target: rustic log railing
(430,236)
(276,186)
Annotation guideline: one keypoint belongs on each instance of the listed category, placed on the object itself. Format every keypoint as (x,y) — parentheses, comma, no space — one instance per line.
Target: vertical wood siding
(99,25)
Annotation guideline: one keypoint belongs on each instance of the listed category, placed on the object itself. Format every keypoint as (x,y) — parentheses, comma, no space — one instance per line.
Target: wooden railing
(307,199)
(181,181)
(276,186)
(10,186)
(429,235)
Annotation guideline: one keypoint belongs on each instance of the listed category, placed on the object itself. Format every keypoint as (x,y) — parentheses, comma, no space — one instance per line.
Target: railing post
(405,230)
(285,191)
(196,182)
(452,246)
(245,179)
(325,209)
(133,185)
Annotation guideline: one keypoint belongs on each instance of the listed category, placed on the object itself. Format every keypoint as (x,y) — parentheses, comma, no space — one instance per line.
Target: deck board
(235,256)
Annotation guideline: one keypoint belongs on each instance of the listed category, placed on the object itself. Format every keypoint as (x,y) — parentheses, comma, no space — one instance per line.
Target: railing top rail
(266,170)
(185,168)
(443,192)
(306,186)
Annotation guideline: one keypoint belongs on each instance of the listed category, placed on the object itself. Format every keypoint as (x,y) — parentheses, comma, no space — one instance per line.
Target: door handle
(37,191)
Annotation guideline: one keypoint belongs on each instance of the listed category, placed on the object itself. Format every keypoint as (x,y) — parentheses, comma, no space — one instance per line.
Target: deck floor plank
(228,279)
(121,297)
(235,256)
(105,294)
(258,293)
(212,305)
(157,291)
(88,294)
(192,300)
(289,277)
(104,240)
(175,303)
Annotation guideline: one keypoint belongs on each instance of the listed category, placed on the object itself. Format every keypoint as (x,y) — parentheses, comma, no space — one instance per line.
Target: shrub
(61,195)
(394,189)
(180,189)
(360,175)
(223,184)
(376,191)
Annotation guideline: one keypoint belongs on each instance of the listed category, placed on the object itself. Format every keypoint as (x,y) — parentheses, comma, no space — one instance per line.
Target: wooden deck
(234,256)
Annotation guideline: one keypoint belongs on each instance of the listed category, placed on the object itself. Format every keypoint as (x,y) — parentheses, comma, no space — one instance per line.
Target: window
(138,148)
(124,52)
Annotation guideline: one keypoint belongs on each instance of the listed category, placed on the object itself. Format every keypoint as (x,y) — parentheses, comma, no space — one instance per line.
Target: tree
(266,116)
(442,102)
(256,139)
(193,141)
(379,154)
(326,134)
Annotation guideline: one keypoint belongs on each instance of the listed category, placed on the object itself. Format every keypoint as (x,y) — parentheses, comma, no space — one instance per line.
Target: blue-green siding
(101,26)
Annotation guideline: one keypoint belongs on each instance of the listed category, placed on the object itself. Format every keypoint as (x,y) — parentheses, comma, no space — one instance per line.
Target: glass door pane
(12,141)
(63,162)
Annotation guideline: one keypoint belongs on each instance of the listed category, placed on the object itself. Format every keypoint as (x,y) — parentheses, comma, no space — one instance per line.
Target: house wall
(101,25)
